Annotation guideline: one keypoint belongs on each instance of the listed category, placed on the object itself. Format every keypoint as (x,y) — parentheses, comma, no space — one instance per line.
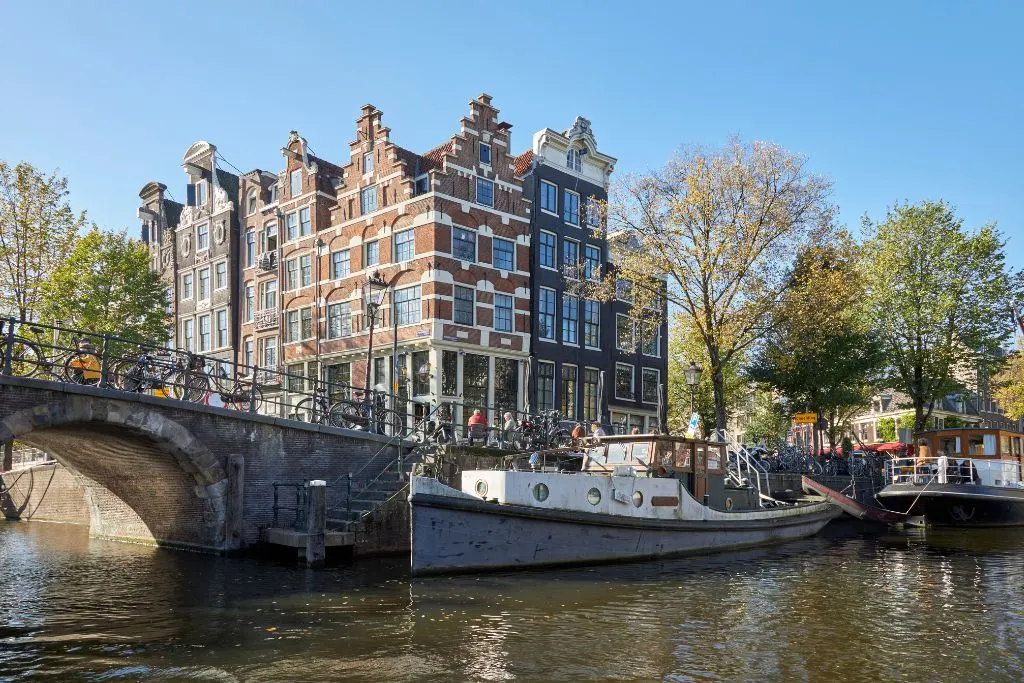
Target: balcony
(267,261)
(266,320)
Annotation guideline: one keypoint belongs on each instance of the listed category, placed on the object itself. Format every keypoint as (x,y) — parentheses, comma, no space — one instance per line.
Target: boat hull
(965,505)
(460,534)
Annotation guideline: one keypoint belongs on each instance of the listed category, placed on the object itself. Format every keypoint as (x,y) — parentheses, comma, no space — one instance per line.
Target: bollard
(9,346)
(316,523)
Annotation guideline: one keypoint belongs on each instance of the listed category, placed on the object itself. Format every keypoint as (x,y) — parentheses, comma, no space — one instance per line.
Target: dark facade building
(585,363)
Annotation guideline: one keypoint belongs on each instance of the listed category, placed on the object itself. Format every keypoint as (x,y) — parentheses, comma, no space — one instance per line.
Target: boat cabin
(970,442)
(969,455)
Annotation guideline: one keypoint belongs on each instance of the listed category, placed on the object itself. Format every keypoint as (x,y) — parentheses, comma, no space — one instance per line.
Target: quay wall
(43,492)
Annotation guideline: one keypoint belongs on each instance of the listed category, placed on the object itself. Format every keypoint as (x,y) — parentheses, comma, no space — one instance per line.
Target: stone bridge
(171,472)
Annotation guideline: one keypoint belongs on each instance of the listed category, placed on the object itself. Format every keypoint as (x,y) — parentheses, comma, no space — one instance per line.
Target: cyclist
(85,365)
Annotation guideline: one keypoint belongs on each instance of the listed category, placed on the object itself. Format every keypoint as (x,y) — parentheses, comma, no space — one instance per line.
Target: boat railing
(954,470)
(745,468)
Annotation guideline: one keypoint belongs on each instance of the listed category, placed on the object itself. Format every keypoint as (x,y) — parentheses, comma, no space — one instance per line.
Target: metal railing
(954,470)
(298,510)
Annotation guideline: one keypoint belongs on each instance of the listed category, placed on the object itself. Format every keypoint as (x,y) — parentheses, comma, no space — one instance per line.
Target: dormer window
(296,187)
(574,160)
(368,163)
(485,153)
(251,202)
(201,193)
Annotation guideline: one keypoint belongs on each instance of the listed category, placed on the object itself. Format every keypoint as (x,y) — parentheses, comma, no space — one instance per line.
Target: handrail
(954,470)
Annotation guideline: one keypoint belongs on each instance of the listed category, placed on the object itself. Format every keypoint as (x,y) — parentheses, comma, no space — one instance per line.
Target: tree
(886,430)
(714,231)
(769,423)
(37,228)
(822,354)
(939,297)
(105,284)
(1009,388)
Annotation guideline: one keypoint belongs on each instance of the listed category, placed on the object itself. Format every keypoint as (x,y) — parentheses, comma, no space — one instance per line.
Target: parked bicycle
(371,414)
(318,409)
(27,358)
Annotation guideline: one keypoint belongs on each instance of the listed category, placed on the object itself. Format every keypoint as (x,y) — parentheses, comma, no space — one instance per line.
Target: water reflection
(849,606)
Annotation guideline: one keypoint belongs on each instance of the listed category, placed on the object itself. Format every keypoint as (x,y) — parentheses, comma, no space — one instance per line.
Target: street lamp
(373,294)
(692,375)
(321,249)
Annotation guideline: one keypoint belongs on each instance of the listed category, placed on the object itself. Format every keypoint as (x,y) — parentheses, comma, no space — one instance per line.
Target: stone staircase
(368,497)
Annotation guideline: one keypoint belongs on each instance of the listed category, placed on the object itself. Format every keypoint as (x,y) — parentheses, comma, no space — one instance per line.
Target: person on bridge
(84,366)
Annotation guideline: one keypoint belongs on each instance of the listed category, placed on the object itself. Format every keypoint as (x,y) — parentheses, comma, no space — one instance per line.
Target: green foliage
(105,284)
(886,430)
(939,296)
(1009,387)
(37,228)
(685,346)
(769,422)
(847,445)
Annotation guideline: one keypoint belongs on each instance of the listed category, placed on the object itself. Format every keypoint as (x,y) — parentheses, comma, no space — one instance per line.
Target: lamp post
(321,248)
(692,375)
(373,295)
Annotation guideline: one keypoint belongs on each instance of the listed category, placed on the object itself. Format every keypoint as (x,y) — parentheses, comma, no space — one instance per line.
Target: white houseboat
(636,497)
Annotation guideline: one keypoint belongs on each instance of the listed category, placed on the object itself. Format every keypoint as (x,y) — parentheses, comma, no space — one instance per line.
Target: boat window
(683,455)
(1016,445)
(990,444)
(616,452)
(714,457)
(950,446)
(596,454)
(1004,444)
(642,452)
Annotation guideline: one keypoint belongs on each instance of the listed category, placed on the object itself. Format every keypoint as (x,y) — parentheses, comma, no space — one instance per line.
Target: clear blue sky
(892,100)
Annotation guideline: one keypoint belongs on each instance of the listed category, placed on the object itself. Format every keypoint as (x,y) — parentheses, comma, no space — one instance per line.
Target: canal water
(844,606)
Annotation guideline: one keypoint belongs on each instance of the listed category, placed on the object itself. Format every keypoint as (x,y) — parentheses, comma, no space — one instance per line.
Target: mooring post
(316,523)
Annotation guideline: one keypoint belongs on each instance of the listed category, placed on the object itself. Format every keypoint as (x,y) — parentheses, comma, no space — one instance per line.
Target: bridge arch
(146,477)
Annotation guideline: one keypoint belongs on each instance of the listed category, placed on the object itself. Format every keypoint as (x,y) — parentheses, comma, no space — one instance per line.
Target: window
(188,334)
(203,237)
(368,163)
(574,160)
(506,385)
(547,249)
(372,253)
(204,283)
(464,244)
(484,192)
(592,324)
(546,308)
(485,153)
(476,381)
(593,212)
(592,262)
(464,305)
(305,226)
(291,222)
(295,379)
(291,274)
(220,275)
(339,379)
(624,333)
(273,193)
(270,237)
(571,207)
(339,320)
(652,343)
(624,290)
(186,286)
(250,248)
(591,397)
(503,316)
(306,270)
(422,185)
(296,187)
(368,199)
(570,256)
(306,323)
(222,329)
(570,319)
(269,353)
(407,305)
(204,333)
(291,326)
(405,245)
(247,355)
(340,264)
(649,389)
(545,386)
(250,301)
(201,193)
(504,254)
(449,373)
(549,197)
(251,202)
(268,295)
(569,379)
(624,381)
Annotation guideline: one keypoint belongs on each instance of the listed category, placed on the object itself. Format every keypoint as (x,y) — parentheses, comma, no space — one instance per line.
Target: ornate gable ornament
(581,130)
(294,137)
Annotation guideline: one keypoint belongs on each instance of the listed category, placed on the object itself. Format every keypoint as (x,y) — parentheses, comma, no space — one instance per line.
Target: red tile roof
(435,157)
(522,163)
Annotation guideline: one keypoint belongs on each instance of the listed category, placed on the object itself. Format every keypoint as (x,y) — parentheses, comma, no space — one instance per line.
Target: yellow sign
(805,418)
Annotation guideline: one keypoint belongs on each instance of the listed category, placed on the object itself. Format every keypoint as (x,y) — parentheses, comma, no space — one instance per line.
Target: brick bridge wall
(44,492)
(172,472)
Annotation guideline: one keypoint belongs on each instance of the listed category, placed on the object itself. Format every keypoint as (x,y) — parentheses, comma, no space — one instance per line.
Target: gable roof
(522,163)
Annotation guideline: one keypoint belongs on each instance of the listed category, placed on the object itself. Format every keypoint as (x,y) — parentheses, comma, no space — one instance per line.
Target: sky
(892,101)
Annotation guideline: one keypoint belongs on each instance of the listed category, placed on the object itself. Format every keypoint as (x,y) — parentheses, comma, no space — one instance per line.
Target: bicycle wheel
(190,386)
(336,415)
(26,358)
(244,397)
(389,423)
(349,415)
(305,411)
(82,367)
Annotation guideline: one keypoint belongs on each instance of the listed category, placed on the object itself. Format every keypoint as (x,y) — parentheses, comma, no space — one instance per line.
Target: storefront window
(475,378)
(506,386)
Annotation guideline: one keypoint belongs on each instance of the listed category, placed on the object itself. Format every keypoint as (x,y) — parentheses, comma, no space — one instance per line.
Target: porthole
(593,496)
(540,492)
(638,498)
(481,488)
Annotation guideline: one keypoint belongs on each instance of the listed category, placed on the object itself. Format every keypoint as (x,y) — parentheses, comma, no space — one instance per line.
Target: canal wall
(787,484)
(43,492)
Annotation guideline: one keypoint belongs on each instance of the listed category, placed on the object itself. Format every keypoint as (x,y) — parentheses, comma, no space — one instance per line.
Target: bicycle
(83,365)
(318,409)
(367,414)
(148,371)
(27,359)
(235,393)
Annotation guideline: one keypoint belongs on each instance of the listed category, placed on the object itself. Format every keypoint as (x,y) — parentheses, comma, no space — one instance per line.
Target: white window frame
(411,233)
(188,291)
(199,332)
(574,160)
(209,283)
(511,308)
(366,254)
(541,202)
(295,179)
(476,243)
(565,205)
(486,181)
(494,243)
(291,226)
(367,167)
(202,189)
(305,227)
(200,247)
(217,266)
(657,348)
(632,347)
(348,267)
(632,381)
(575,263)
(251,201)
(363,194)
(657,383)
(554,250)
(217,329)
(188,340)
(418,308)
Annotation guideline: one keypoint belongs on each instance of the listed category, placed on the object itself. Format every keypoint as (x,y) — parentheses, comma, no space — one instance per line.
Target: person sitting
(84,366)
(596,431)
(578,433)
(508,428)
(635,430)
(477,427)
